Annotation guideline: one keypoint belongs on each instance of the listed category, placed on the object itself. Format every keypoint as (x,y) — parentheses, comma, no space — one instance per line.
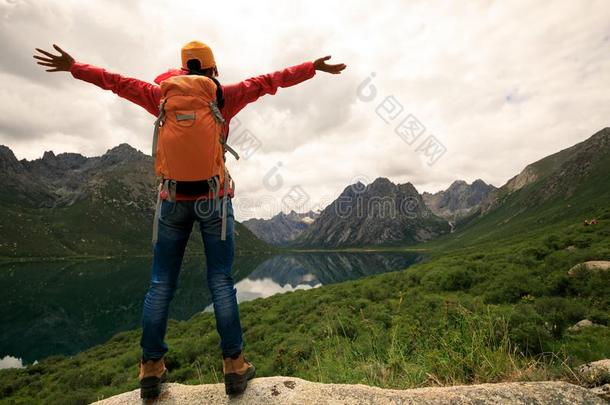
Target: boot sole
(150,387)
(235,383)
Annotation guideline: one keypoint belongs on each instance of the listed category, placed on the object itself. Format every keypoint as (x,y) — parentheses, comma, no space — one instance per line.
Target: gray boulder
(590,266)
(584,324)
(290,390)
(596,373)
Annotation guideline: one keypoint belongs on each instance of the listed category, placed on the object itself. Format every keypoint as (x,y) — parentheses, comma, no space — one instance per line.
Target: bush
(457,279)
(559,313)
(552,242)
(528,330)
(537,253)
(511,286)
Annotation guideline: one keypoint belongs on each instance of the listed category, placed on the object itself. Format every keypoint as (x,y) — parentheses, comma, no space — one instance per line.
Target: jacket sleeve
(146,95)
(238,95)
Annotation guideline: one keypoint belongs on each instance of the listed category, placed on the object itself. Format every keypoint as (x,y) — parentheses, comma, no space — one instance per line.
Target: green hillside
(89,229)
(570,186)
(464,316)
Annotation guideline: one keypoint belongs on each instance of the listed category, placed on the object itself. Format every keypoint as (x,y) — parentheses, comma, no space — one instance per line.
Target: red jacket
(236,95)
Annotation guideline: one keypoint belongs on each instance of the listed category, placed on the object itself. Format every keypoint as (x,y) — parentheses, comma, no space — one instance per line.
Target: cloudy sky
(434,91)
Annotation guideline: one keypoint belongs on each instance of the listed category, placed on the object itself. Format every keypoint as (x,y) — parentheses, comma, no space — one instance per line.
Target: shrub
(456,279)
(511,286)
(559,313)
(527,329)
(537,252)
(552,242)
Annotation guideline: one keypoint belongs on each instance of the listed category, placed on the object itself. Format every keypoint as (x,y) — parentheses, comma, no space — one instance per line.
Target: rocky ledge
(290,390)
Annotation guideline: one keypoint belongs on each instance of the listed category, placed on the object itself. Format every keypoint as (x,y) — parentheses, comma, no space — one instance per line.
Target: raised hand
(61,63)
(320,64)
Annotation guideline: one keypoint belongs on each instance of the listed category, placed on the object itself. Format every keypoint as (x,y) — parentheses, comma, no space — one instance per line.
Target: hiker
(181,202)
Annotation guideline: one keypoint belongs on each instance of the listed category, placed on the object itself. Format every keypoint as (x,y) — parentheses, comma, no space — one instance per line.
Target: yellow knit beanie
(200,51)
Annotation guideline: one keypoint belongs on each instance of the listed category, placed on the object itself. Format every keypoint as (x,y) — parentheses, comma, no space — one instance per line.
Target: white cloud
(501,84)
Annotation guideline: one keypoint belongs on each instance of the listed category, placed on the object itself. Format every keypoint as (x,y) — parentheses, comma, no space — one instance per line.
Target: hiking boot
(152,374)
(237,371)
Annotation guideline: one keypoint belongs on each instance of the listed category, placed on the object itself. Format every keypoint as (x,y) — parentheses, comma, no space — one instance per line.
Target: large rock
(290,390)
(603,391)
(595,373)
(584,324)
(593,265)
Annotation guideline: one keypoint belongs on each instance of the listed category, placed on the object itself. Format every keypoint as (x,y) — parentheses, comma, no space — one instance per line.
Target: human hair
(194,67)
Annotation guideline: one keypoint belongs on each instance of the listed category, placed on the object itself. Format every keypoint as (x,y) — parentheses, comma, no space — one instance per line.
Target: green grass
(496,312)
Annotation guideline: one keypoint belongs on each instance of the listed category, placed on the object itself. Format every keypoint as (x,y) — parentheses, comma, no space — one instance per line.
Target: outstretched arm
(146,95)
(240,94)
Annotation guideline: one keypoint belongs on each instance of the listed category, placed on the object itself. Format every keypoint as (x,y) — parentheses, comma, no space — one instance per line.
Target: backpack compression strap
(169,188)
(214,107)
(155,231)
(158,123)
(225,199)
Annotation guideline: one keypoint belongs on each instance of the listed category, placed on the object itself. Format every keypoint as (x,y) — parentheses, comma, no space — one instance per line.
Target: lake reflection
(291,272)
(66,307)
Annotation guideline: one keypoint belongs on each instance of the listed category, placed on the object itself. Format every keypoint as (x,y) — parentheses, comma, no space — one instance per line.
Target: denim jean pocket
(167,209)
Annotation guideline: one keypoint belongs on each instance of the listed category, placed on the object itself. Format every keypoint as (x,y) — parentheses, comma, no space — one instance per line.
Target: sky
(434,91)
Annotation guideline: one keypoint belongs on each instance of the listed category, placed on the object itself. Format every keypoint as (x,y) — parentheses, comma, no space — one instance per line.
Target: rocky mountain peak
(60,162)
(380,184)
(282,228)
(353,189)
(383,212)
(408,188)
(381,180)
(6,154)
(459,199)
(122,153)
(48,155)
(8,162)
(457,184)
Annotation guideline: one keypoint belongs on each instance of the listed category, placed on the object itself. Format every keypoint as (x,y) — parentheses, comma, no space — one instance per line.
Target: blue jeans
(175,223)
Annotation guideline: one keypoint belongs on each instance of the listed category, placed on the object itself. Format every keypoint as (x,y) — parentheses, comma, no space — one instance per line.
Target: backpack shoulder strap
(158,123)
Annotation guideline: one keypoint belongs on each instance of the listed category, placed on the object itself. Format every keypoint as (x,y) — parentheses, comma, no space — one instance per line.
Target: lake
(66,307)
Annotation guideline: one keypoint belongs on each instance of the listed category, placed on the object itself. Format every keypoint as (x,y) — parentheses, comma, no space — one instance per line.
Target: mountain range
(564,187)
(560,187)
(282,228)
(72,205)
(379,213)
(459,200)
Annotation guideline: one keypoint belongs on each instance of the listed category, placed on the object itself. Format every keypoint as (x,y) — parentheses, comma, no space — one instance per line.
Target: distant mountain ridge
(558,174)
(104,204)
(283,228)
(379,213)
(459,200)
(566,186)
(63,179)
(71,205)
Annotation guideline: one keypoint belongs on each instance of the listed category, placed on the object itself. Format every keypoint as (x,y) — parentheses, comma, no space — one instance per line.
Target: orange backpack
(188,140)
